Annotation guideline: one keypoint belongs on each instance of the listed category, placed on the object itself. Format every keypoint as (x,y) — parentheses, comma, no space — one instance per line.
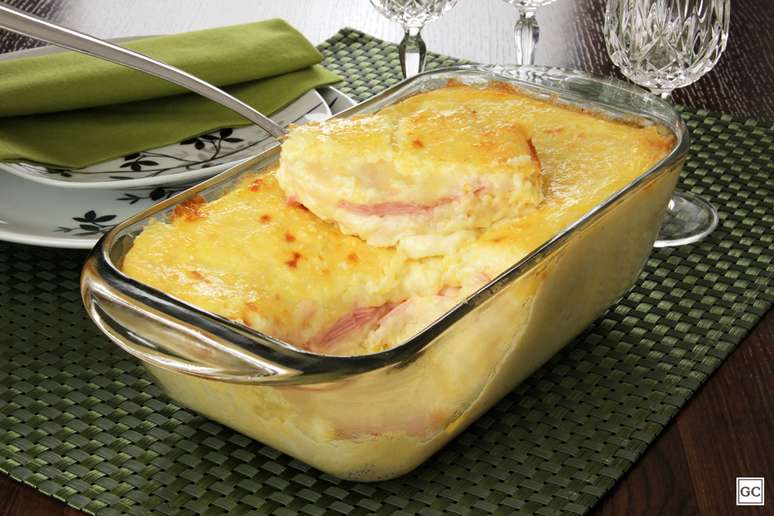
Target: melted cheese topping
(420,178)
(253,257)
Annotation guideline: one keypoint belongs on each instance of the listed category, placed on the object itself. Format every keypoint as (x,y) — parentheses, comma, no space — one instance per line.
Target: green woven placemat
(81,421)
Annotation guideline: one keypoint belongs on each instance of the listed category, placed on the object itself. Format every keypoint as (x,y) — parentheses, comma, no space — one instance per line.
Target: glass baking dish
(377,416)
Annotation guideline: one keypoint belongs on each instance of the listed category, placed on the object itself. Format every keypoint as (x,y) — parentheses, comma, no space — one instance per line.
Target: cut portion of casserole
(254,257)
(251,257)
(422,175)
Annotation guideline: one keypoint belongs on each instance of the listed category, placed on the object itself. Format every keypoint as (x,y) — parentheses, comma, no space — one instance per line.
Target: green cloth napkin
(70,110)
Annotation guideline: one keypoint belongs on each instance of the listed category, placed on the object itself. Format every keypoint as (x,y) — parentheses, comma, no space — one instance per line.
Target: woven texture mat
(81,421)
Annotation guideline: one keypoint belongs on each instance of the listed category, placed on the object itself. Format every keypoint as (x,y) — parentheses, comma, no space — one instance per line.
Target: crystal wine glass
(527,29)
(412,15)
(663,45)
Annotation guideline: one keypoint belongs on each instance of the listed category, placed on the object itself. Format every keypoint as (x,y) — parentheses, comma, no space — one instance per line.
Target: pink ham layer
(394,208)
(357,318)
(360,317)
(401,208)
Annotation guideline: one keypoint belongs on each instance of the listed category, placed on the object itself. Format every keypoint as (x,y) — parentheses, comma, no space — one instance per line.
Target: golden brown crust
(293,262)
(190,210)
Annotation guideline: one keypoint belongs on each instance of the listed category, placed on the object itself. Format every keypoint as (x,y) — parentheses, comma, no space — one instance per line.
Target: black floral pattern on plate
(58,172)
(158,193)
(89,224)
(214,139)
(139,161)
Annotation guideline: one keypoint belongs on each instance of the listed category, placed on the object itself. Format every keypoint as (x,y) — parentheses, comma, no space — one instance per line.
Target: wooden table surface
(727,429)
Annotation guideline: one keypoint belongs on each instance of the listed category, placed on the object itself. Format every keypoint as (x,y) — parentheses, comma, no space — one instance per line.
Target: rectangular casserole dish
(377,416)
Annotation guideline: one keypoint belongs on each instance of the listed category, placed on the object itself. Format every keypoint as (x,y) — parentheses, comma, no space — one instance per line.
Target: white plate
(40,214)
(192,159)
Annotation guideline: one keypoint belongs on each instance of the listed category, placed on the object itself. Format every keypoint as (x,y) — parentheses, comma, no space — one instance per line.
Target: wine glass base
(688,219)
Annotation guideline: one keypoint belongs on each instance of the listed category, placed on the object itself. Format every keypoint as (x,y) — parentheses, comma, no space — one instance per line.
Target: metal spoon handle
(26,24)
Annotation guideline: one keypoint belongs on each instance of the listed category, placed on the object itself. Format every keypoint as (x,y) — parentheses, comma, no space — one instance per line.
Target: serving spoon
(29,25)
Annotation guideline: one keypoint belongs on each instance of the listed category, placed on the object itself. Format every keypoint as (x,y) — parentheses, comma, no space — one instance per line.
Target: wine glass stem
(527,35)
(689,218)
(412,52)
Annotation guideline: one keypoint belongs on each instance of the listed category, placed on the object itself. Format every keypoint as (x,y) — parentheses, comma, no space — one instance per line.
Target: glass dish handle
(173,344)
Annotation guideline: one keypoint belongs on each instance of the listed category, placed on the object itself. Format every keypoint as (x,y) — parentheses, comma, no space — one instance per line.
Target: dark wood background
(727,429)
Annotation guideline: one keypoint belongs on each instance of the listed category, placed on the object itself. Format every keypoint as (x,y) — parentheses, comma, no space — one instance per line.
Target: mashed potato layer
(421,175)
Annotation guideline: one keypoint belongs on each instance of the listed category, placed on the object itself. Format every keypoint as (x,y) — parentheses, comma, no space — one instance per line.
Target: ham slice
(357,318)
(394,207)
(402,208)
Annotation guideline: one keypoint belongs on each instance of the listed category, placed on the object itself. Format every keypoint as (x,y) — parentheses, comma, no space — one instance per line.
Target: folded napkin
(71,110)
